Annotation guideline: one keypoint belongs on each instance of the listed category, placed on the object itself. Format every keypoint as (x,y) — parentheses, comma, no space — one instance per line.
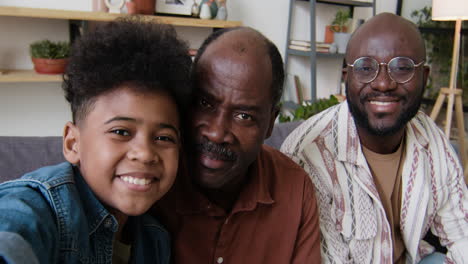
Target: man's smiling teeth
(380,103)
(137,181)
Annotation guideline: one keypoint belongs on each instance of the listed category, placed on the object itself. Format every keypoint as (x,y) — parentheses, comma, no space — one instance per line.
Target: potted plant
(49,57)
(340,29)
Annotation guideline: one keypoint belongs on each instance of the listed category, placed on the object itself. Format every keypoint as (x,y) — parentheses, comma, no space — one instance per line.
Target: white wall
(38,109)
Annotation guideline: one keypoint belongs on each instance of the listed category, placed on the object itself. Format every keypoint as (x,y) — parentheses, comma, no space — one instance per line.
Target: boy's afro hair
(145,54)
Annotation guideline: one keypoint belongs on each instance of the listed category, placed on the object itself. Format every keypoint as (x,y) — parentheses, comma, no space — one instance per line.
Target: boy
(127,84)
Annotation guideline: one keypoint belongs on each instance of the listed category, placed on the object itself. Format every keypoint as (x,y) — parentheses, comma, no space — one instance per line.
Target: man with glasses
(383,172)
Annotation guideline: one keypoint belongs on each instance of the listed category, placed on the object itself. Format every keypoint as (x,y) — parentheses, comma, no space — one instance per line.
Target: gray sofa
(19,155)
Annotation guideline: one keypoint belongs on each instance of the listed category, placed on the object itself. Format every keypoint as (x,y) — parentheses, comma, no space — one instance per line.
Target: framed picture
(177,7)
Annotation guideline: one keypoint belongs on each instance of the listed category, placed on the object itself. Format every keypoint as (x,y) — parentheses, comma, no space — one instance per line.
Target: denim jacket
(52,216)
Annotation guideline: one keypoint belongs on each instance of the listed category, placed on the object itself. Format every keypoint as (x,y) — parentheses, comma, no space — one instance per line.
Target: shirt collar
(256,191)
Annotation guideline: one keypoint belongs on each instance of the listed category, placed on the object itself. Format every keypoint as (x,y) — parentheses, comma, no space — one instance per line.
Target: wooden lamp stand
(454,95)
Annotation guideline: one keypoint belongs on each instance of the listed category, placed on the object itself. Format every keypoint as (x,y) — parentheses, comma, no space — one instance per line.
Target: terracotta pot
(131,8)
(329,32)
(145,7)
(328,35)
(49,66)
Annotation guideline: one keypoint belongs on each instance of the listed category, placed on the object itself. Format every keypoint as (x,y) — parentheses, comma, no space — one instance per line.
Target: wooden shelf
(347,3)
(16,76)
(101,16)
(13,76)
(344,2)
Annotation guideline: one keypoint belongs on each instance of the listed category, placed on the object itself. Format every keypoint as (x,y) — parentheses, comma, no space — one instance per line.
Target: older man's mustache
(215,151)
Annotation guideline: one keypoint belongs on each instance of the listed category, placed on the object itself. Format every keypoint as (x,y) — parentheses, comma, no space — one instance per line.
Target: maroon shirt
(275,219)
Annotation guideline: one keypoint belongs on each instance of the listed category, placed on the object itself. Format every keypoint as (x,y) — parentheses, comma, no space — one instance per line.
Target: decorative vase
(115,7)
(205,11)
(145,7)
(49,66)
(213,7)
(195,11)
(341,39)
(131,7)
(99,6)
(222,10)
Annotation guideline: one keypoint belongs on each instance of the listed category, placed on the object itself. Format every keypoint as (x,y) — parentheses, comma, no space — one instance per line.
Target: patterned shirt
(353,224)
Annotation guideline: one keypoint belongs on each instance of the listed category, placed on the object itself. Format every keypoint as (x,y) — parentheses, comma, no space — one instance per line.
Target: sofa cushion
(19,155)
(280,132)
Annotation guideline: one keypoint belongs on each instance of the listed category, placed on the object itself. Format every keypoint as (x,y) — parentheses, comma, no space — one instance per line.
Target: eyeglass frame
(388,69)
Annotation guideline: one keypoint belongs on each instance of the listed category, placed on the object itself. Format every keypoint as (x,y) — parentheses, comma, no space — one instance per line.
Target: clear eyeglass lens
(401,69)
(365,69)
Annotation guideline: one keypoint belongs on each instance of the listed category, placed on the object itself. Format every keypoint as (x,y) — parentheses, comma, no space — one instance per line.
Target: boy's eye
(121,132)
(166,140)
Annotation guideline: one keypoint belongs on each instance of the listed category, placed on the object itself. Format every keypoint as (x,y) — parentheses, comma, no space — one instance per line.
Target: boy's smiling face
(127,148)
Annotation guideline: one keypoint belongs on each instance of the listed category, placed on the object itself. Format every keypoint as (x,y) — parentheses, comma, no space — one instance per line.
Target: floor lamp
(452,10)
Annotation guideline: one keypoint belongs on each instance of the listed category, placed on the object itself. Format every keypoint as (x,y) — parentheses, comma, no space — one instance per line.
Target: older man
(240,201)
(384,173)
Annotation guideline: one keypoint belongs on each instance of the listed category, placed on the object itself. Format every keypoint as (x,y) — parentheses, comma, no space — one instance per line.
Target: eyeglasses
(400,69)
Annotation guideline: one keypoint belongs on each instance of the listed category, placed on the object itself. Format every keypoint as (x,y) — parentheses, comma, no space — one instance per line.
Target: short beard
(361,118)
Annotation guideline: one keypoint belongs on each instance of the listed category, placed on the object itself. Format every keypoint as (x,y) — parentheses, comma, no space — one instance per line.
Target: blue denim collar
(96,213)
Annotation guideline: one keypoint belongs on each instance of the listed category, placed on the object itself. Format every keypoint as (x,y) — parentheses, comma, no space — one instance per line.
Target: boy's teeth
(137,181)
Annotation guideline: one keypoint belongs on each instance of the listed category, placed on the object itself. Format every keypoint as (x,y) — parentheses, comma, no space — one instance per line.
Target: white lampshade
(449,9)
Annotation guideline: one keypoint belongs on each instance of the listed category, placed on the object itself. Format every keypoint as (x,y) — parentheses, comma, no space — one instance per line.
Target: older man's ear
(274,114)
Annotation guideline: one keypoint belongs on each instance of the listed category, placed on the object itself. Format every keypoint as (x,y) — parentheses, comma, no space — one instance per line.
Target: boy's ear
(71,136)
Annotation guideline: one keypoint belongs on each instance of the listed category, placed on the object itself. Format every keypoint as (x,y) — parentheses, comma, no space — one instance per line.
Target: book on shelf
(296,47)
(303,43)
(323,50)
(317,49)
(323,45)
(293,89)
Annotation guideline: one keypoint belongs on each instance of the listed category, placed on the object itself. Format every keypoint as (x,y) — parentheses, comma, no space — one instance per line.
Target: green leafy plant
(47,49)
(308,109)
(341,19)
